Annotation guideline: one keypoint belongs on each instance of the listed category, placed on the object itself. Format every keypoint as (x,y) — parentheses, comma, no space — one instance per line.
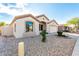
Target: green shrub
(43,34)
(60,33)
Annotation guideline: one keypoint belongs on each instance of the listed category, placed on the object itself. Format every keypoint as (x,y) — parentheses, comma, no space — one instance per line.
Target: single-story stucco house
(29,25)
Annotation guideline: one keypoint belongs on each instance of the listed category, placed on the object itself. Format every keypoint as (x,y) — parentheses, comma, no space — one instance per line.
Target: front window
(29,26)
(15,27)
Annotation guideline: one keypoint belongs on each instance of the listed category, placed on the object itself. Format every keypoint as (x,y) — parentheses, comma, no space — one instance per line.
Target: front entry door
(41,27)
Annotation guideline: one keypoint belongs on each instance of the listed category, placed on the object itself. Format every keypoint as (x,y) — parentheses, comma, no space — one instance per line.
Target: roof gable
(42,16)
(52,21)
(23,16)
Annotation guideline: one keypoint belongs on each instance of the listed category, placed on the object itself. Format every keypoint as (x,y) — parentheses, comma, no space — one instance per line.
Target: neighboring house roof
(41,16)
(52,21)
(23,16)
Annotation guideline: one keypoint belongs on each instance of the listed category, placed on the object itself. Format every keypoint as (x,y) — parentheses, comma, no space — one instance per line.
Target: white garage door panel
(53,29)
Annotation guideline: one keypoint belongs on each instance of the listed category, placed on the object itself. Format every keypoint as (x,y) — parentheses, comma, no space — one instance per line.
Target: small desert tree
(66,24)
(2,23)
(74,21)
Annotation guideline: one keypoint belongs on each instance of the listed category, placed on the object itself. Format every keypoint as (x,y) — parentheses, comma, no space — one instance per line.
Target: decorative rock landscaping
(54,46)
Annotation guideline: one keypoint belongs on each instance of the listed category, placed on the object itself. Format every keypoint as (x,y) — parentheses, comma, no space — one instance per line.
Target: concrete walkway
(76,49)
(72,35)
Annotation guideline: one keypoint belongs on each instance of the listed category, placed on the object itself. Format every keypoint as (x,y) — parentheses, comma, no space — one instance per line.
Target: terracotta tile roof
(23,16)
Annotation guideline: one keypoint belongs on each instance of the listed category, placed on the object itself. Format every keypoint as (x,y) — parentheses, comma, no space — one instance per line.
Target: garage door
(53,29)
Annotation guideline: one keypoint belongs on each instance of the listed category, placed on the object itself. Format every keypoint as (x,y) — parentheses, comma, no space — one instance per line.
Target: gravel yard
(54,46)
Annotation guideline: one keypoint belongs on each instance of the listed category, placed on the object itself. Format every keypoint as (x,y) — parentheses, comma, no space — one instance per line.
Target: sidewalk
(76,49)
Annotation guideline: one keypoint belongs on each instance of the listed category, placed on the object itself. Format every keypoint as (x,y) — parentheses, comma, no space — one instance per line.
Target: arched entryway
(42,26)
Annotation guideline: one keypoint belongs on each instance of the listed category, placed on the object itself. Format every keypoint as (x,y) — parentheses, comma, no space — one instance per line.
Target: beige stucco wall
(20,27)
(52,27)
(42,18)
(7,30)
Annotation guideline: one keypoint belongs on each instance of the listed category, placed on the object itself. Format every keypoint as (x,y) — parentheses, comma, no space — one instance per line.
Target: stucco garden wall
(7,30)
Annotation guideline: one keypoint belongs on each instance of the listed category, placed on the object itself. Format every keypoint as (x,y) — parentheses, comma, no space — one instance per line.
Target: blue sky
(61,12)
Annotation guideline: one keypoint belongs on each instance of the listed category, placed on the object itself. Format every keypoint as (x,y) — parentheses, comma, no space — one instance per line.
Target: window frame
(15,27)
(40,27)
(28,26)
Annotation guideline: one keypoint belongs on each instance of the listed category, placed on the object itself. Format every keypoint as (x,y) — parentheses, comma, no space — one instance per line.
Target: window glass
(29,26)
(15,27)
(40,27)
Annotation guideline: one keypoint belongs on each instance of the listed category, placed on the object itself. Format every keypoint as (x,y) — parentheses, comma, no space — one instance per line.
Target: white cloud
(13,1)
(18,10)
